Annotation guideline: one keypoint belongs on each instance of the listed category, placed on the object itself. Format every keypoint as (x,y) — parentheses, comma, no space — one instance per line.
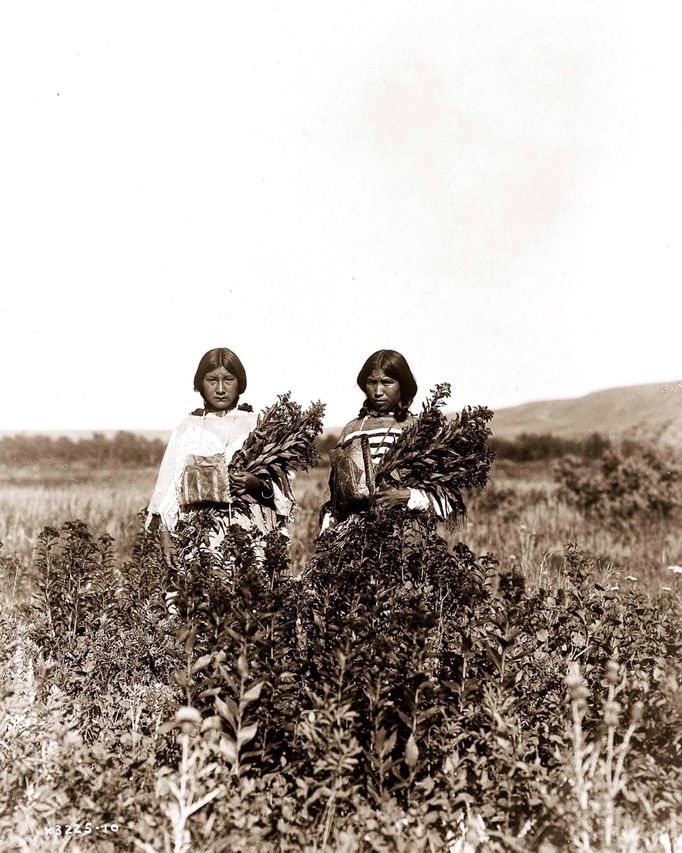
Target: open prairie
(111,500)
(557,727)
(519,518)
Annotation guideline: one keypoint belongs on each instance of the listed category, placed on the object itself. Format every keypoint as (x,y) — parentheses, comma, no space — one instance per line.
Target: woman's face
(382,391)
(220,389)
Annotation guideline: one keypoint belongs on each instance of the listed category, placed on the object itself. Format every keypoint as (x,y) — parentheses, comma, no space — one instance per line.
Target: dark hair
(393,364)
(220,357)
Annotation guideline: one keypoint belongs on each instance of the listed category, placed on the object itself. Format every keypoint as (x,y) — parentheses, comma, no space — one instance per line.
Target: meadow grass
(108,500)
(519,518)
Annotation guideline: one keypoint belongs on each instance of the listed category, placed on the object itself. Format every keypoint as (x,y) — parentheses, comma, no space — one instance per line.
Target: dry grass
(524,525)
(109,501)
(518,518)
(530,527)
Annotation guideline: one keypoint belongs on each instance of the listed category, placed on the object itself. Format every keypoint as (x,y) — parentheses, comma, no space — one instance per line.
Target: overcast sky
(491,186)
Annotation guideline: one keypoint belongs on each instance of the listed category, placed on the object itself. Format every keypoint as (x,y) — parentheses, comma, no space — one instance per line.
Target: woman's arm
(241,483)
(270,494)
(389,498)
(164,499)
(326,517)
(260,488)
(412,499)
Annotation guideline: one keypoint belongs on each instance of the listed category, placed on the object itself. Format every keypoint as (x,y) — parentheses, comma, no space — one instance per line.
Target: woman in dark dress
(389,387)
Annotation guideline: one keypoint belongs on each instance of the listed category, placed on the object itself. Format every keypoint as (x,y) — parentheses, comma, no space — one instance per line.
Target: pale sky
(492,188)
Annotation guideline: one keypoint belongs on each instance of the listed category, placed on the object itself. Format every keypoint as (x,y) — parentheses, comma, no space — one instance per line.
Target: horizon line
(158,432)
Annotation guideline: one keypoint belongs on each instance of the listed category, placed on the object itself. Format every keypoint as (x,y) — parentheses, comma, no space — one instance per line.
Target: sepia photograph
(341,433)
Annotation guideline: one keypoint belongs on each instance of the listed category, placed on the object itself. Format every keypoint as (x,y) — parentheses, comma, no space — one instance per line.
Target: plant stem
(580,787)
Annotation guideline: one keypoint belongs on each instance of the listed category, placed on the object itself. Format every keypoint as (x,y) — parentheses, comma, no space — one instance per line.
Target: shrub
(400,695)
(399,678)
(630,485)
(533,447)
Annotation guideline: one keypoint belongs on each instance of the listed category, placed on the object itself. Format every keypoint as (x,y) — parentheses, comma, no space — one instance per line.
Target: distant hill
(639,411)
(652,411)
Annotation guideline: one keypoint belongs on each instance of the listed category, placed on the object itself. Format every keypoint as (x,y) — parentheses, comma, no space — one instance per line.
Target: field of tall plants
(510,684)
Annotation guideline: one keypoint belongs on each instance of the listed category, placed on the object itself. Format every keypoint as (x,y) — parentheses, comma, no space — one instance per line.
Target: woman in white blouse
(200,450)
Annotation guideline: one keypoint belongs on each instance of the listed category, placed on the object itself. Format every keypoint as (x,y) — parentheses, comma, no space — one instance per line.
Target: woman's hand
(167,547)
(389,498)
(242,482)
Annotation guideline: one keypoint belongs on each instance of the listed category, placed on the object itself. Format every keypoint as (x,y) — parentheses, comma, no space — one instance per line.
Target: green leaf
(228,749)
(225,712)
(181,678)
(246,734)
(214,723)
(201,663)
(411,752)
(251,694)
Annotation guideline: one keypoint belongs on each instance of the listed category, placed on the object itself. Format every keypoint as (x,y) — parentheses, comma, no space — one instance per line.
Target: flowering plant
(444,456)
(283,441)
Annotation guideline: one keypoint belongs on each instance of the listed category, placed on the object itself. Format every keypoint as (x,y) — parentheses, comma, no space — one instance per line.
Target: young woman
(195,470)
(389,387)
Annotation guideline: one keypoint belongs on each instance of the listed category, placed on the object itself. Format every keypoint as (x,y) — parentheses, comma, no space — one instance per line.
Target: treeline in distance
(122,448)
(127,448)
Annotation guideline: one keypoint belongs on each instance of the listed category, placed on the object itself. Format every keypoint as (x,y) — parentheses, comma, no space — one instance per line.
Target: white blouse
(207,435)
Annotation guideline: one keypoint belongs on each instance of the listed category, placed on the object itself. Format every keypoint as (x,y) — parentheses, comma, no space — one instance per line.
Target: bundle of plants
(282,442)
(444,456)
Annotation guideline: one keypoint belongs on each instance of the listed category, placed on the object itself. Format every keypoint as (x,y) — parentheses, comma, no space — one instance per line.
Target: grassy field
(111,501)
(518,518)
(83,718)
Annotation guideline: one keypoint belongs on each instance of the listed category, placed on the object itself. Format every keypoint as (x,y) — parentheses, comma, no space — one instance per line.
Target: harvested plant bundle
(443,456)
(282,441)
